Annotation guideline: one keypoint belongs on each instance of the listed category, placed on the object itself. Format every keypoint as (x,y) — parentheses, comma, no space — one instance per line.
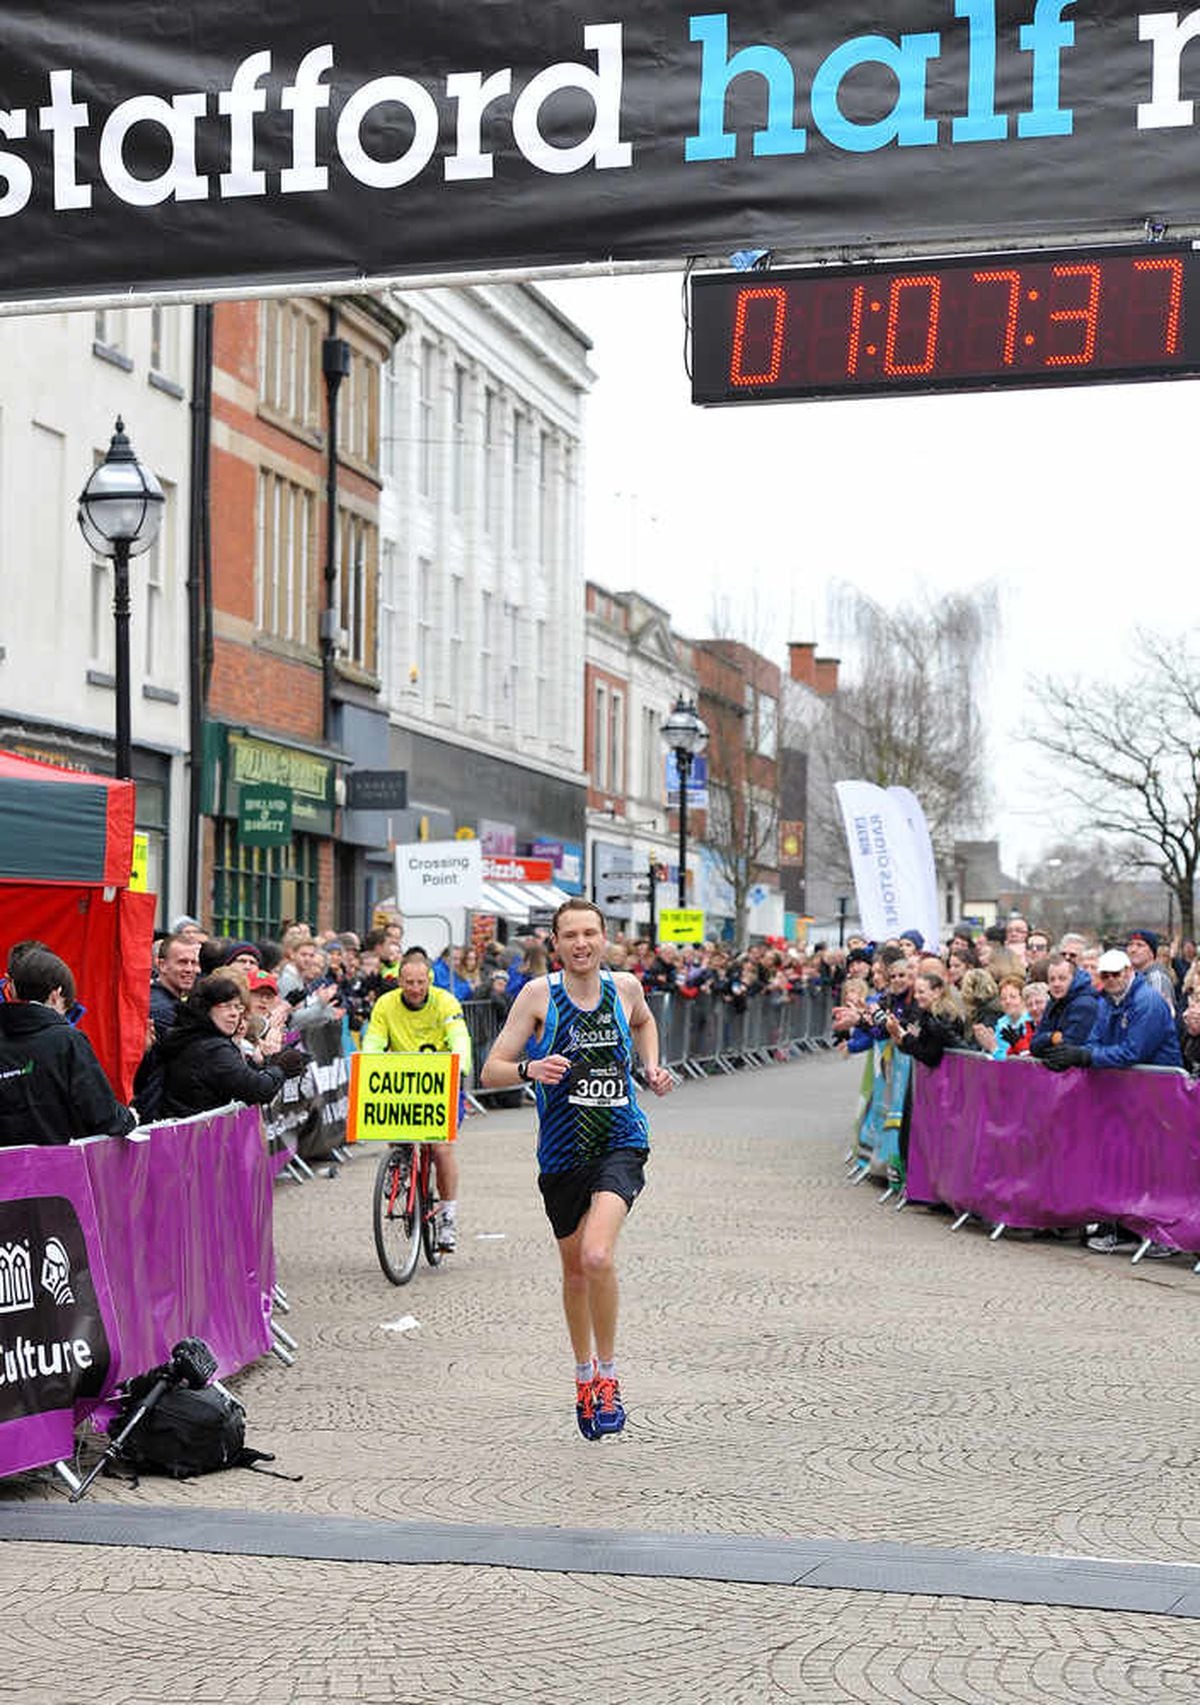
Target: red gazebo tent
(66,853)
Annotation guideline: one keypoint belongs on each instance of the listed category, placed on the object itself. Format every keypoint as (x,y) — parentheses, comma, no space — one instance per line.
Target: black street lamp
(686,736)
(120,513)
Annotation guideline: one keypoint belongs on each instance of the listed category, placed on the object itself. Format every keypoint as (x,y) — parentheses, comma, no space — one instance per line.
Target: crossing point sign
(681,924)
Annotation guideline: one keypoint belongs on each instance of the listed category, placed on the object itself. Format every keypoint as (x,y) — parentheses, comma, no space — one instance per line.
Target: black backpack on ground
(190,1432)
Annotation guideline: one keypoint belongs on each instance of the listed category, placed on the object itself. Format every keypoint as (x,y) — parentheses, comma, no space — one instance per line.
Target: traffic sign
(681,924)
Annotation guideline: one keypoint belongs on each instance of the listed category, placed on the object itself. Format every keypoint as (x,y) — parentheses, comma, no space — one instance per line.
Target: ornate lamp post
(686,736)
(120,513)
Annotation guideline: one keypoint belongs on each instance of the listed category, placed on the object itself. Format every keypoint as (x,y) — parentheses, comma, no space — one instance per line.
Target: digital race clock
(1038,317)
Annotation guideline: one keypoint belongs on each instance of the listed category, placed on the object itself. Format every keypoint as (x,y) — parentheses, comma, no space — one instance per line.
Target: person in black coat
(1071,1010)
(1189,1034)
(202,1063)
(936,1021)
(52,1087)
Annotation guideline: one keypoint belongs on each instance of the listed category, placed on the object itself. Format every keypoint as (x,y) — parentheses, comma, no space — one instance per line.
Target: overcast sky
(1079,504)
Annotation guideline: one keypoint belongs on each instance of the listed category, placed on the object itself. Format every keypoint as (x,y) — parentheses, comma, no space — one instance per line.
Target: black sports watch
(523,1070)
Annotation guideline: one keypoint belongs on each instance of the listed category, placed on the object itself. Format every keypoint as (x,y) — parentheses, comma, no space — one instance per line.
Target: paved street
(798,1362)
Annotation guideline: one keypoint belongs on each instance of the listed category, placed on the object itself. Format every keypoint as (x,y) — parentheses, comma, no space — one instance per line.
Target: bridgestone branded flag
(202,145)
(891,858)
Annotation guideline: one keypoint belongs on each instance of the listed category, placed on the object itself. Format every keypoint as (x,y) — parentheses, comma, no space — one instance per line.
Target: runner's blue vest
(594,1108)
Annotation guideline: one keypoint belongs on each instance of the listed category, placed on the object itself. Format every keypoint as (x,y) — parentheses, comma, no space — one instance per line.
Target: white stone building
(636,668)
(481,615)
(66,379)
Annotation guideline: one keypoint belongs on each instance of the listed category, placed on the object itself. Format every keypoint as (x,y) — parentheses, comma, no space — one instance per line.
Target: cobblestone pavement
(798,1360)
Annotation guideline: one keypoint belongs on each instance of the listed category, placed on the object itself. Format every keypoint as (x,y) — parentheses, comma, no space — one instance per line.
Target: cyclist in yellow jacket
(417,1018)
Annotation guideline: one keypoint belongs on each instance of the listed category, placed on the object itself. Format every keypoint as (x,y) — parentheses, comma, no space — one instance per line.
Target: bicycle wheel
(397,1214)
(430,1209)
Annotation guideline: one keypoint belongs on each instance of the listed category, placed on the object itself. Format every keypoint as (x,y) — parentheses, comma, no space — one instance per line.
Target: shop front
(270,848)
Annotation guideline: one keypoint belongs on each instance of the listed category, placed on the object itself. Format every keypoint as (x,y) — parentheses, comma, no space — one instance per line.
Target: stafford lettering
(321,127)
(181,121)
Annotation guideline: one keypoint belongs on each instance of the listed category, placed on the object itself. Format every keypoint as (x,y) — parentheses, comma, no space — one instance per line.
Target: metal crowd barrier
(707,1034)
(703,1036)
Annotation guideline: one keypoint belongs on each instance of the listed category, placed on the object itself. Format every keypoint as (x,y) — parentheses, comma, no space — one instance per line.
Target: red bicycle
(406,1209)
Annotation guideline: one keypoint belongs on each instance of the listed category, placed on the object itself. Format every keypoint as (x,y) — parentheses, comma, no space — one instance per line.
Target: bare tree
(907,713)
(1131,757)
(1081,883)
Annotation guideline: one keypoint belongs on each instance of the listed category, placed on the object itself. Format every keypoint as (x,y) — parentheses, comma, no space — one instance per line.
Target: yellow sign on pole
(403,1098)
(681,924)
(139,874)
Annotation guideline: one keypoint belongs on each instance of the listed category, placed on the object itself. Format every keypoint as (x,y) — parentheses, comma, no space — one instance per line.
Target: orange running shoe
(609,1411)
(585,1407)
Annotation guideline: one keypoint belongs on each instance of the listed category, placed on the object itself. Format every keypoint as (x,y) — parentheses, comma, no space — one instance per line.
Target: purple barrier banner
(58,1321)
(111,1251)
(1012,1142)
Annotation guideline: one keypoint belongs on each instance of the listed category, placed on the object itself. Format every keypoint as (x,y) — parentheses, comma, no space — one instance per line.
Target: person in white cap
(1133,1026)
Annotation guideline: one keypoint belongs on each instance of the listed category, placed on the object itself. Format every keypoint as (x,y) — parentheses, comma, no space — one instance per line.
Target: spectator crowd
(1009,993)
(273,1021)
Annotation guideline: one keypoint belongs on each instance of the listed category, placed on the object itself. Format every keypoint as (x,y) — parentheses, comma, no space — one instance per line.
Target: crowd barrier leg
(280,1298)
(68,1476)
(997,1232)
(960,1221)
(283,1337)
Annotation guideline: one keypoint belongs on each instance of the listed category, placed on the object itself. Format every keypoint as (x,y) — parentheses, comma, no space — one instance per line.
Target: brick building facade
(293,639)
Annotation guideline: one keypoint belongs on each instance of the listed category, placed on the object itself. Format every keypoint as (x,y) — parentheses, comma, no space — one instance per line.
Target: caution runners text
(403,1098)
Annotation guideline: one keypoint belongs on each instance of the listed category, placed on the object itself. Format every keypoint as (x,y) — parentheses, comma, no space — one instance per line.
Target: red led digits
(1089,315)
(770,373)
(1041,317)
(1174,268)
(1013,281)
(852,348)
(923,281)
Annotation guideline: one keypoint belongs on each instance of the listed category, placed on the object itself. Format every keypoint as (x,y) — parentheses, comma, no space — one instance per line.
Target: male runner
(579,1027)
(419,1019)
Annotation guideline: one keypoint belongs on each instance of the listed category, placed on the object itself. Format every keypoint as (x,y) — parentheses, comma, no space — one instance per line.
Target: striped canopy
(59,825)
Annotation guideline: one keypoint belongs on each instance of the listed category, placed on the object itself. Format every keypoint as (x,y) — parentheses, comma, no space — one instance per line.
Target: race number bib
(596,1086)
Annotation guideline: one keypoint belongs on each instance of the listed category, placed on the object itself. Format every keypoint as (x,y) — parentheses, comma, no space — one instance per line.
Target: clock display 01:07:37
(1066,317)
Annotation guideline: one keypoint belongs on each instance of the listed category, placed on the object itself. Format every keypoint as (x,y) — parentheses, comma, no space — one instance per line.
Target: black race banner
(203,146)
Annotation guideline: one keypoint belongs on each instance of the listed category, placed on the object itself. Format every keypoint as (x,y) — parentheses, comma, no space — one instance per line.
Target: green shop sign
(235,762)
(265,816)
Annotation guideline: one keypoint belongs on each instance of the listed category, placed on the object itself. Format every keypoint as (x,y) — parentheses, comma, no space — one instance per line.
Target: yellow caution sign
(681,924)
(139,874)
(403,1098)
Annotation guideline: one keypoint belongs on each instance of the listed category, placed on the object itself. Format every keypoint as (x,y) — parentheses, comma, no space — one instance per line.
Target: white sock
(449,1212)
(583,1372)
(606,1370)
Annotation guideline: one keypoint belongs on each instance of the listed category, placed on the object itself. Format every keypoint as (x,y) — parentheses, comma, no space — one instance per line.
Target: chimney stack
(825,670)
(802,663)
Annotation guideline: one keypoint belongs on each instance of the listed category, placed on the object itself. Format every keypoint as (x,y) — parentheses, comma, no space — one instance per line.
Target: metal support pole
(683,765)
(335,366)
(124,746)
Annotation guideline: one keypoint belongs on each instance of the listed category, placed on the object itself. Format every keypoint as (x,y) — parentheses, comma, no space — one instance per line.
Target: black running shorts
(568,1195)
